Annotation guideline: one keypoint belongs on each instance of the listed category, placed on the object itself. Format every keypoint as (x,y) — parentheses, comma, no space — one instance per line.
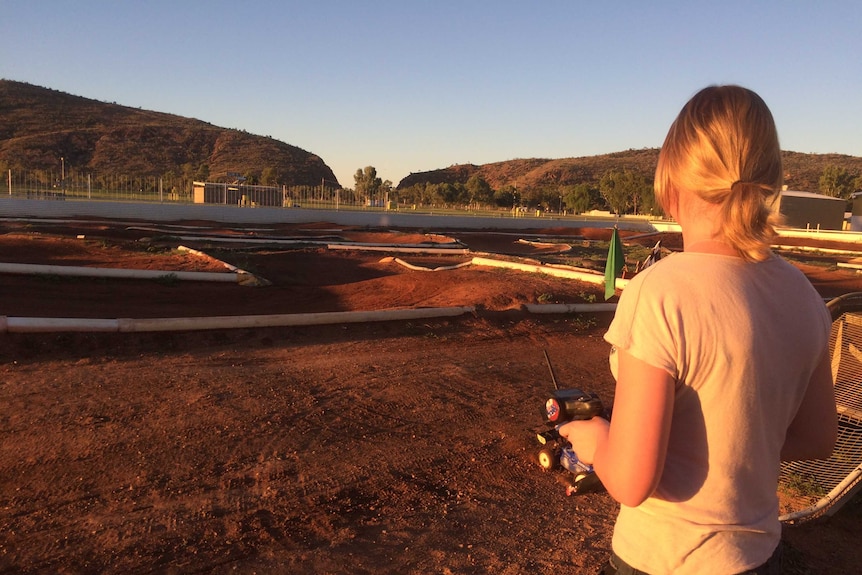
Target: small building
(237,194)
(807,210)
(855,216)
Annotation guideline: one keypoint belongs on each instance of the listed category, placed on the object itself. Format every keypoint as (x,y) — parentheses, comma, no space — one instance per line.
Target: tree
(622,190)
(414,194)
(202,172)
(447,194)
(549,198)
(507,196)
(529,196)
(478,190)
(269,176)
(368,185)
(648,203)
(579,197)
(837,182)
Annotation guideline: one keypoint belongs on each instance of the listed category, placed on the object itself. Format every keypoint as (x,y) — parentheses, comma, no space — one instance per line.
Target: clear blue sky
(410,85)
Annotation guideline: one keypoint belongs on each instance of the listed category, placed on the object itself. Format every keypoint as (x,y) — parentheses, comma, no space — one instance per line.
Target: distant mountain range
(801,171)
(40,125)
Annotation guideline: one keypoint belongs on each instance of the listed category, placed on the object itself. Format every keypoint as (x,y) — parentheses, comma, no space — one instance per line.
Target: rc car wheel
(588,483)
(548,459)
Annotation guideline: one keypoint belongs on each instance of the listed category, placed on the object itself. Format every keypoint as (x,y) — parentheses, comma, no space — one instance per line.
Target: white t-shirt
(741,340)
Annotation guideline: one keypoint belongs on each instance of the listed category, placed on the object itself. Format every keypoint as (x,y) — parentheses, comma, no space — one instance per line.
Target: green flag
(614,265)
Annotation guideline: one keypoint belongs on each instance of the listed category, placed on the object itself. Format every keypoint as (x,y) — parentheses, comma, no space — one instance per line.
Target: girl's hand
(585,436)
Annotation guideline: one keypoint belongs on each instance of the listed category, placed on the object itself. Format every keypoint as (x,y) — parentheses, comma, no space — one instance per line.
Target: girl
(720,360)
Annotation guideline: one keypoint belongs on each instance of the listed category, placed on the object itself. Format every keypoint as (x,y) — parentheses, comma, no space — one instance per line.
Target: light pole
(63,174)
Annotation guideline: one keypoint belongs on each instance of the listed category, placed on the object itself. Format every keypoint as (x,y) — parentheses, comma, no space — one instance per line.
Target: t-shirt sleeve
(646,326)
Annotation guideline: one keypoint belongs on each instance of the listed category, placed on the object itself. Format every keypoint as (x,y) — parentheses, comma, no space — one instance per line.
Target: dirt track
(398,447)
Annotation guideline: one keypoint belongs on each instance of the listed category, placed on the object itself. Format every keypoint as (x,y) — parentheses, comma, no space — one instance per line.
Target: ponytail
(748,219)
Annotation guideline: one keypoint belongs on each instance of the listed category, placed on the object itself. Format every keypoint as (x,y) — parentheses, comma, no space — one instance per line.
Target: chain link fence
(78,185)
(72,184)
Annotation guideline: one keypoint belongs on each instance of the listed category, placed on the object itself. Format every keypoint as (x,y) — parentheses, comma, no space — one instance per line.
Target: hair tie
(734,184)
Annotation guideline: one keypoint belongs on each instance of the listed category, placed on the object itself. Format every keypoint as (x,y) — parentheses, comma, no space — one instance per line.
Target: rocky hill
(802,171)
(40,125)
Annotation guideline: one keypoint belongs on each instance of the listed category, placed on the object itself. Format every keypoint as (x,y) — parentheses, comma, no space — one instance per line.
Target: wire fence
(71,184)
(78,185)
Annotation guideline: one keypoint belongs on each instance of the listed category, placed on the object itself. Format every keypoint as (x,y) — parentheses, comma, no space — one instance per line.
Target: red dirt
(393,447)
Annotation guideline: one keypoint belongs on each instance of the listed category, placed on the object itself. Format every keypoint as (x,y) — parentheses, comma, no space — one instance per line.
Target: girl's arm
(628,453)
(814,429)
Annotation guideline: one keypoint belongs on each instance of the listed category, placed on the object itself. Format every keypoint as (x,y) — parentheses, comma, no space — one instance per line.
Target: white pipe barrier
(243,277)
(563,247)
(127,325)
(832,251)
(411,249)
(570,307)
(410,266)
(201,254)
(532,268)
(829,235)
(81,271)
(245,240)
(553,271)
(329,244)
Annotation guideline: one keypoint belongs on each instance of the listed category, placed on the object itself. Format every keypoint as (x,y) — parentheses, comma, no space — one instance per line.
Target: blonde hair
(723,147)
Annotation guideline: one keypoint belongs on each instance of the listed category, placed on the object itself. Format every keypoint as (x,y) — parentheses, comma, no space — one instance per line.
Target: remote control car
(563,406)
(558,454)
